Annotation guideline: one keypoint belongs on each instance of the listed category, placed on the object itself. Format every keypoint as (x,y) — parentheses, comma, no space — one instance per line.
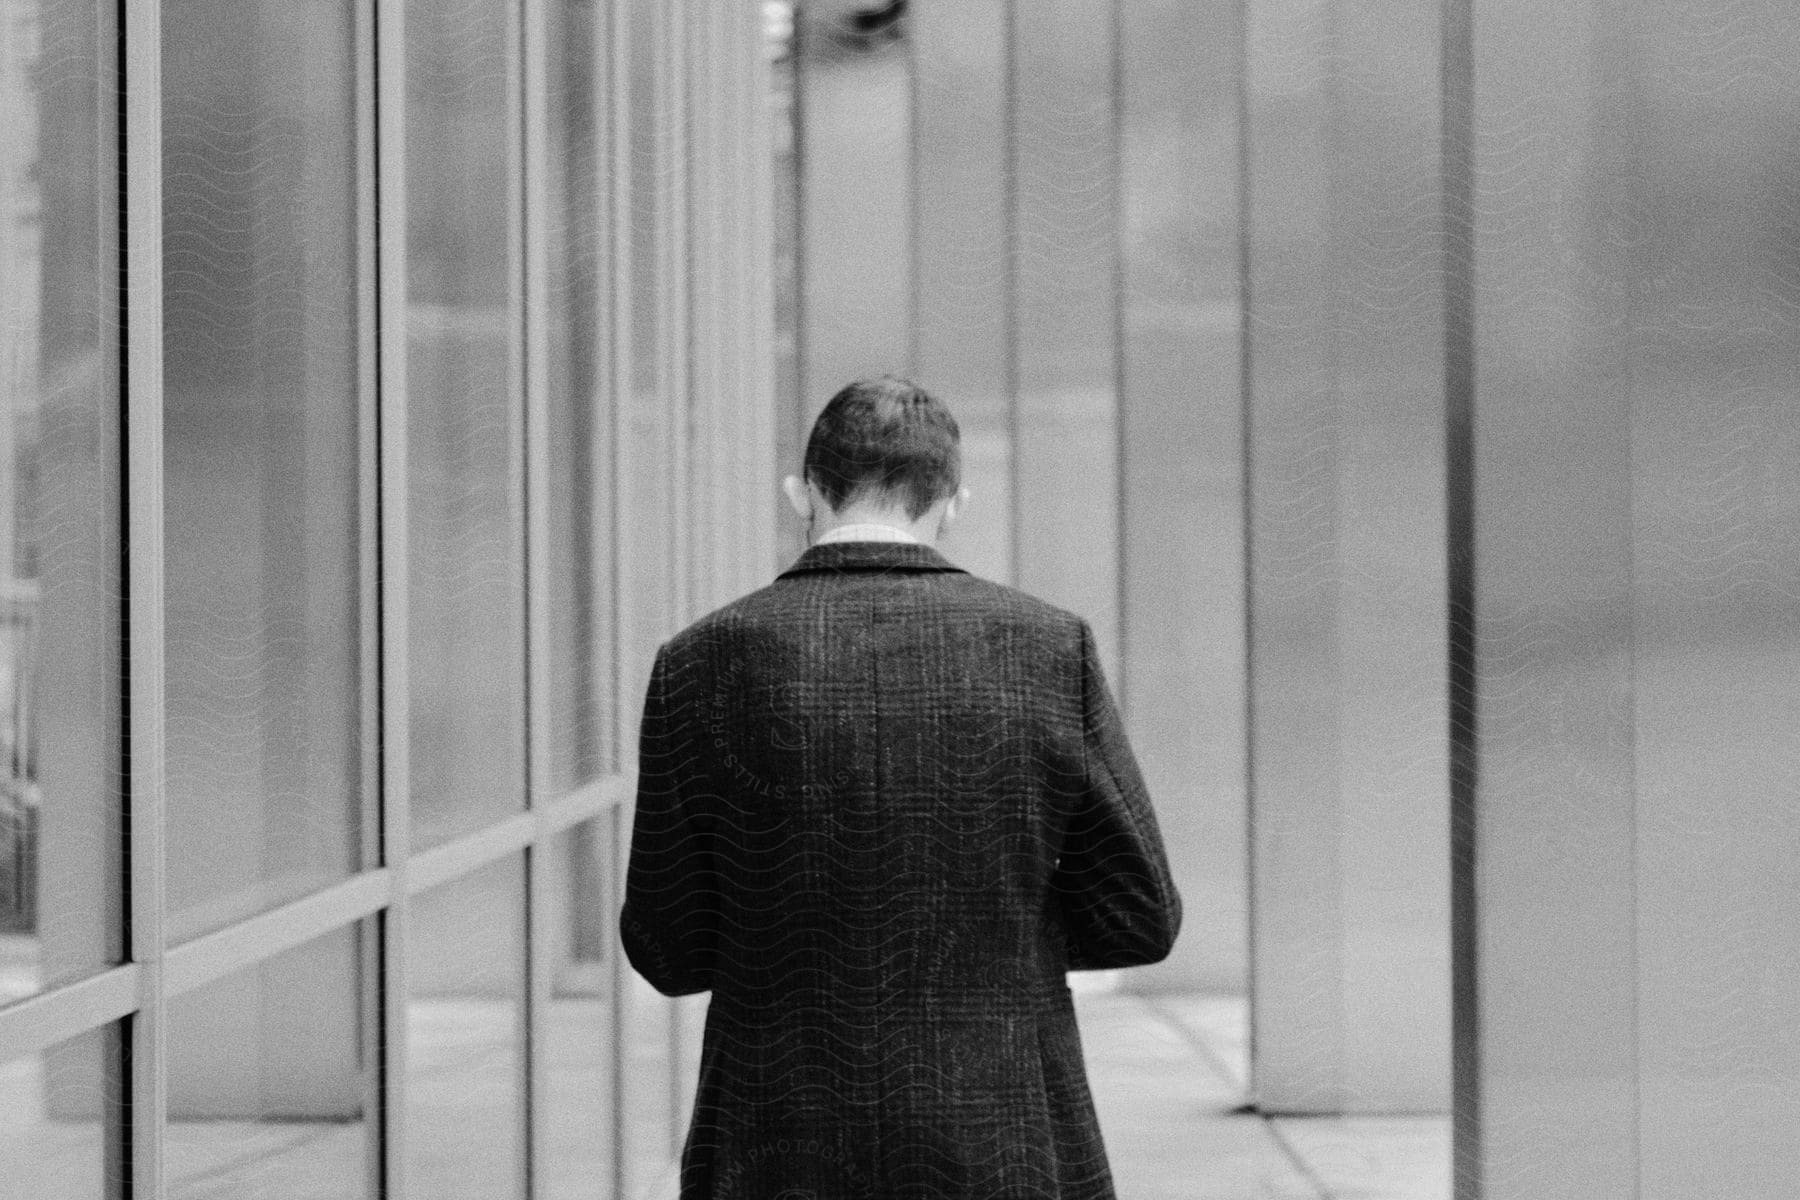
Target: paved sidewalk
(1168,1073)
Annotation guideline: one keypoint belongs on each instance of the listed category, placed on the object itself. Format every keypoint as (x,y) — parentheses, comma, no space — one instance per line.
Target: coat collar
(870,556)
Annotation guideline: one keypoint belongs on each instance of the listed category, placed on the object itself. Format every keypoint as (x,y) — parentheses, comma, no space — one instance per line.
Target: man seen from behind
(883,807)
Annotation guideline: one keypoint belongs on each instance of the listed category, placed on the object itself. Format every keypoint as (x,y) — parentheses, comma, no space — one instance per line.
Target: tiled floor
(1168,1076)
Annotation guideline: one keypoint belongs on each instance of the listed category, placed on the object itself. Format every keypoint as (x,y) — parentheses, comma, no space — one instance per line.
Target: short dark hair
(885,436)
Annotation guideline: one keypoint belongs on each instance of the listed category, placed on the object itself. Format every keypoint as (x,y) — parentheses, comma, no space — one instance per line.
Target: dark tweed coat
(883,805)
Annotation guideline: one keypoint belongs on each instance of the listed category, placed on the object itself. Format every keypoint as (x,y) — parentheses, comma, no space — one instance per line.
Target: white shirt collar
(865,531)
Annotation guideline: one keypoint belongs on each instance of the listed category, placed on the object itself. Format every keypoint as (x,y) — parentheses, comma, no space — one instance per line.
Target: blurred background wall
(1407,391)
(1344,450)
(1032,210)
(1625,191)
(1176,267)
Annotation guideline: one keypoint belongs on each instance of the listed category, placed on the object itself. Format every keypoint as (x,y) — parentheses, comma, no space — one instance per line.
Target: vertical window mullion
(614,189)
(532,197)
(396,824)
(677,350)
(142,412)
(369,551)
(616,161)
(758,296)
(672,290)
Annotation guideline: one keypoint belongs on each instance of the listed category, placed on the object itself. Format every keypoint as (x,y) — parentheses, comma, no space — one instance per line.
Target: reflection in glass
(580,413)
(260,376)
(269,1080)
(59,869)
(648,409)
(466,585)
(781,47)
(466,972)
(784,147)
(54,1104)
(579,1028)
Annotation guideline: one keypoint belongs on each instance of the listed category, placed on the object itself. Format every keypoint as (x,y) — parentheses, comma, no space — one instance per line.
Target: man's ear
(797,497)
(951,508)
(954,507)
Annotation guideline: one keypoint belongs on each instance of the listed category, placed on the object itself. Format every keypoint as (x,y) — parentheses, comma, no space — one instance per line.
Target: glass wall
(261,455)
(60,835)
(580,384)
(351,369)
(55,1101)
(271,1083)
(466,622)
(581,1076)
(465,1036)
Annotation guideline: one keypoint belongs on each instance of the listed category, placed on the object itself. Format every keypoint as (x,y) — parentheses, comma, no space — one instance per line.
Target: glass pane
(580,410)
(467,616)
(55,1104)
(269,1080)
(59,866)
(466,974)
(260,380)
(649,409)
(579,1031)
(784,146)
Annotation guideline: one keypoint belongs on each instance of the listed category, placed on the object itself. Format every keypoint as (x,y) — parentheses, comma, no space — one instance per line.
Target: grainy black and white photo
(899,600)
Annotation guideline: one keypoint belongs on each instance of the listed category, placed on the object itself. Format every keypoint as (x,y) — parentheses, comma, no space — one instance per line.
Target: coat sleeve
(1118,898)
(669,921)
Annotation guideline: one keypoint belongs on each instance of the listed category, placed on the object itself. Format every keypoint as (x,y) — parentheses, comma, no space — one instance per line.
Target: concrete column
(1065,264)
(963,127)
(1349,901)
(1548,1110)
(1182,480)
(1626,966)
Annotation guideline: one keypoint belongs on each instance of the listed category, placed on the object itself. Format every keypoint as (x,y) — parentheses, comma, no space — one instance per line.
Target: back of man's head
(885,440)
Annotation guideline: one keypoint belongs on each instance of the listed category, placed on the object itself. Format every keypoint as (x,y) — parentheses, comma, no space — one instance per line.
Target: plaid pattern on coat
(883,805)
